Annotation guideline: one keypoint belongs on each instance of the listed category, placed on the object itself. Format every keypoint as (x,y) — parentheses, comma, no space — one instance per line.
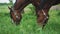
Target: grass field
(28,23)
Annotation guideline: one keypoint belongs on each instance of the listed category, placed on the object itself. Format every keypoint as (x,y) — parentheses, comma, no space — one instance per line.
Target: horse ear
(9,7)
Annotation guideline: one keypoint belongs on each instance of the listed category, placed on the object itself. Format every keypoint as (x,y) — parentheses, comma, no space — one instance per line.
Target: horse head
(15,15)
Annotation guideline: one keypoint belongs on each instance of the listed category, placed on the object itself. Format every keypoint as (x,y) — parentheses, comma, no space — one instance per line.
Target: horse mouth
(15,22)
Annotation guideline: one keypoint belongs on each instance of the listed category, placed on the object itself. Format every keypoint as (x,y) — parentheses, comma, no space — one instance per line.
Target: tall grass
(28,24)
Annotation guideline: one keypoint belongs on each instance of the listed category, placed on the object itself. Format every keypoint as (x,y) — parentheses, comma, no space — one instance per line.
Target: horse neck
(20,4)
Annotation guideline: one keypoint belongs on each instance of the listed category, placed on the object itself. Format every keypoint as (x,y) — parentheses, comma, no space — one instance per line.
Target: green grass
(28,24)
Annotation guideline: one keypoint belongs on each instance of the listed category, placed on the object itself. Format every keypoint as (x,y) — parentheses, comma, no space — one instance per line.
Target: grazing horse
(42,8)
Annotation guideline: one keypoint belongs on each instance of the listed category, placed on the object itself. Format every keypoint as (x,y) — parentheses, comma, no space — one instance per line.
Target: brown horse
(42,8)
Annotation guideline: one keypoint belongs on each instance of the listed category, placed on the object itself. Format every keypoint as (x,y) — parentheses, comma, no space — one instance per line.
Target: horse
(42,9)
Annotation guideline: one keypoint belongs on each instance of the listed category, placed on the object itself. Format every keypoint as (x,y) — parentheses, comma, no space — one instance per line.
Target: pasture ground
(28,23)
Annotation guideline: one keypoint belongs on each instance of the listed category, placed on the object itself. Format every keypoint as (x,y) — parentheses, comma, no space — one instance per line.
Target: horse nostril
(17,23)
